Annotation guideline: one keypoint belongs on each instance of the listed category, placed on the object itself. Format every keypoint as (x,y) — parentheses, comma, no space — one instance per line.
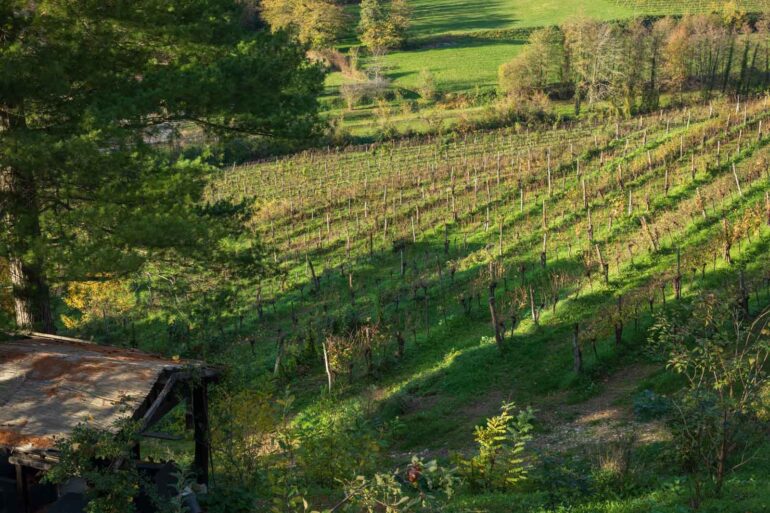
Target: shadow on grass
(434,17)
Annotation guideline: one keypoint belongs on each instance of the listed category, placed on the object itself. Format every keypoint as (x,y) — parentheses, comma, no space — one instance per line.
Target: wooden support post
(201,421)
(22,498)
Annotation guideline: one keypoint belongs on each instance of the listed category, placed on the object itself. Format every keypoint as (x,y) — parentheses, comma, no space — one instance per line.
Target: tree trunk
(728,65)
(31,295)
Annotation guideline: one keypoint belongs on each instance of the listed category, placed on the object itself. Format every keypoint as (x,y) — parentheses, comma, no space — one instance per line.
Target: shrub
(426,87)
(419,487)
(88,454)
(500,462)
(355,93)
(650,406)
(341,443)
(714,419)
(244,422)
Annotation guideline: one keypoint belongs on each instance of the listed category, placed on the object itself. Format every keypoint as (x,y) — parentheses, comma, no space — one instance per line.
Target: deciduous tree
(383,26)
(318,23)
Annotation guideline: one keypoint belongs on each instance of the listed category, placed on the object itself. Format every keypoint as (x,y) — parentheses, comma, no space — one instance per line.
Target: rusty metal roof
(50,385)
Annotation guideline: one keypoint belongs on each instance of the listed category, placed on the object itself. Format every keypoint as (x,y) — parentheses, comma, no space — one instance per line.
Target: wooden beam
(156,410)
(201,425)
(160,436)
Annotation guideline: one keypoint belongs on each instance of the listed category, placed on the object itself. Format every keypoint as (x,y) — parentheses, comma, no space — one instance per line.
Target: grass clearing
(438,17)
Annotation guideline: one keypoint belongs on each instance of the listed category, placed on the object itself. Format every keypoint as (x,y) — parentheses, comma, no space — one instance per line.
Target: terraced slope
(594,226)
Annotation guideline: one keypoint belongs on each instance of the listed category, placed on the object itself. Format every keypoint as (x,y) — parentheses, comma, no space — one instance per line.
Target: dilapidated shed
(50,384)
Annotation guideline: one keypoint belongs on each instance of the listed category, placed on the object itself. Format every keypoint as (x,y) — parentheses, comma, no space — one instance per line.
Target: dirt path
(604,418)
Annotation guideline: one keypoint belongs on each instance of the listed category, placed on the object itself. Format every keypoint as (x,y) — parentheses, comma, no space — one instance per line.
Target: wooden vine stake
(737,182)
(496,324)
(650,236)
(604,264)
(577,354)
(678,277)
(619,323)
(327,367)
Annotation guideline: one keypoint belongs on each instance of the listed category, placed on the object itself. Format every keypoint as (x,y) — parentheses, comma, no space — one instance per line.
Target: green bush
(650,406)
(500,462)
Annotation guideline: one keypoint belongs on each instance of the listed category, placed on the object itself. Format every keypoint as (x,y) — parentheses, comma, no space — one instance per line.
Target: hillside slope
(570,221)
(584,232)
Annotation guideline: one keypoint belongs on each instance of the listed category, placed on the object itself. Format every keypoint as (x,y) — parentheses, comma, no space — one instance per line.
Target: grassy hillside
(464,43)
(569,223)
(434,17)
(441,17)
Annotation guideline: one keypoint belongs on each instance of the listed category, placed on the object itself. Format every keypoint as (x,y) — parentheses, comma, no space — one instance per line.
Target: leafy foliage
(714,420)
(98,301)
(420,487)
(318,23)
(104,460)
(500,462)
(90,98)
(383,25)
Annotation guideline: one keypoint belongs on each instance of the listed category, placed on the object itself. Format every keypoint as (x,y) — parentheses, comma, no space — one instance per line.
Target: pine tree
(86,88)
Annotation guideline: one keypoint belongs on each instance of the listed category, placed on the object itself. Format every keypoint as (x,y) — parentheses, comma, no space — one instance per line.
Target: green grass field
(458,65)
(438,17)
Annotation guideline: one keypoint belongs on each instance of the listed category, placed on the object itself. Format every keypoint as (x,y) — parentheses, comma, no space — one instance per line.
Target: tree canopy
(88,90)
(317,23)
(383,26)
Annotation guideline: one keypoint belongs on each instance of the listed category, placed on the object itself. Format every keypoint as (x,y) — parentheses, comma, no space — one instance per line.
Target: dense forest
(548,294)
